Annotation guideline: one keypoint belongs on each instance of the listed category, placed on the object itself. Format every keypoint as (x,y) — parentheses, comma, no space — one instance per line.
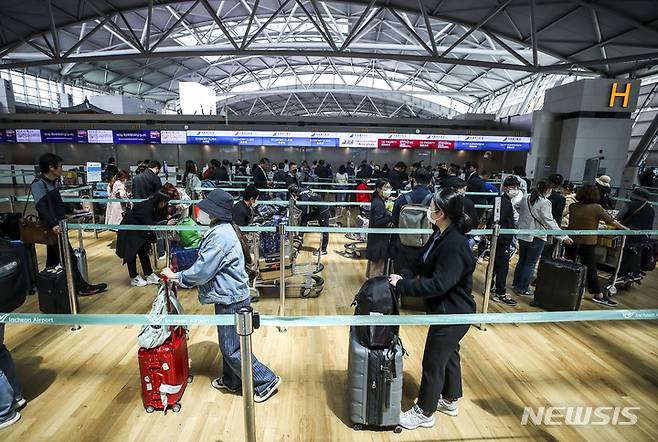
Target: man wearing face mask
(291,177)
(311,212)
(511,187)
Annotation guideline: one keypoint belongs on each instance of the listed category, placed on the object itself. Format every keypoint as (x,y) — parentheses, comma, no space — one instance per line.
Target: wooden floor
(84,386)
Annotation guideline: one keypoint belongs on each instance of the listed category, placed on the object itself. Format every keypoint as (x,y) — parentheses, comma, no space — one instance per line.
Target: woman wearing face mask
(535,213)
(443,277)
(377,249)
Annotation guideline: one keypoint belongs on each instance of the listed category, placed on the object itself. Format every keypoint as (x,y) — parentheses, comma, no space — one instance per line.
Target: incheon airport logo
(580,415)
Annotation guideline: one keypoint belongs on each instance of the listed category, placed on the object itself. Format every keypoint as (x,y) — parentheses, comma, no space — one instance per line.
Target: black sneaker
(503,299)
(605,301)
(219,384)
(93,289)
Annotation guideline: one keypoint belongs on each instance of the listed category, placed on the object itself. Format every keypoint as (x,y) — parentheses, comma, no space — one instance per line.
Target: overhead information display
(270,138)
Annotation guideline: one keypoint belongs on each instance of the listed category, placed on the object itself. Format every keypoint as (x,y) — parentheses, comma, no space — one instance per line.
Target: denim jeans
(10,386)
(229,345)
(529,253)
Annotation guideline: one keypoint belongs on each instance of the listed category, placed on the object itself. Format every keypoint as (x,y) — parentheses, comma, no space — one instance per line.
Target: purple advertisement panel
(10,136)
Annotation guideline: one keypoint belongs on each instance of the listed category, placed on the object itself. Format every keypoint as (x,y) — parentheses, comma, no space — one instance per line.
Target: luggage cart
(357,248)
(611,249)
(266,270)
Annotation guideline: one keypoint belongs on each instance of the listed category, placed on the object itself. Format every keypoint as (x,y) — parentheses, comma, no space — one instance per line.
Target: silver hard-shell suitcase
(375,385)
(81,257)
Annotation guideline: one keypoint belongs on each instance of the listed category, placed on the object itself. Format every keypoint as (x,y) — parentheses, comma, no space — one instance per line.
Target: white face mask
(387,193)
(513,193)
(429,216)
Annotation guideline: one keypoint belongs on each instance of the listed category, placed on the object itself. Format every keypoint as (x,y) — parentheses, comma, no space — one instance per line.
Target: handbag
(33,230)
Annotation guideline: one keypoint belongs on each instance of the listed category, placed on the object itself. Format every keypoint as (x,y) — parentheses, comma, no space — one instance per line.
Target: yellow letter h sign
(626,94)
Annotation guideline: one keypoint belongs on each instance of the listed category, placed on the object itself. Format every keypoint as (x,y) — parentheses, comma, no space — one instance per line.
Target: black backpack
(13,284)
(377,295)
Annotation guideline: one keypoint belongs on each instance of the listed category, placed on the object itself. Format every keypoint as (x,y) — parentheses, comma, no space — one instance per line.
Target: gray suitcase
(81,257)
(375,383)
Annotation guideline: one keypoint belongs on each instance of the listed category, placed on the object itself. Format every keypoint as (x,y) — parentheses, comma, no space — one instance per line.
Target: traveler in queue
(443,277)
(311,212)
(148,182)
(136,243)
(116,189)
(243,210)
(378,244)
(51,210)
(220,276)
(535,213)
(585,214)
(191,179)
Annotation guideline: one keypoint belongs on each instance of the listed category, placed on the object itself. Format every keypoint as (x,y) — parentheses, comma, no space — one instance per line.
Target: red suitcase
(165,372)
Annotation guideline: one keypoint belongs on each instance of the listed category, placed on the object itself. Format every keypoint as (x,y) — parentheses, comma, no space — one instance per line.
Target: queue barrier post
(281,231)
(11,204)
(68,269)
(245,322)
(492,260)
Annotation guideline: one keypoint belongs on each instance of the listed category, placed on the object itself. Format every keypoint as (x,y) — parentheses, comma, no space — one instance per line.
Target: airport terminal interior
(411,160)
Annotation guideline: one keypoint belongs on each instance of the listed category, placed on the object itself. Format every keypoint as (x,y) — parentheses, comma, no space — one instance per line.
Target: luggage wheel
(176,408)
(397,429)
(304,292)
(319,268)
(357,427)
(150,409)
(190,378)
(628,285)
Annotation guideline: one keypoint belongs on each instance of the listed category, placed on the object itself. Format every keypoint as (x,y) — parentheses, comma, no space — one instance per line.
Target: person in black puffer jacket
(443,277)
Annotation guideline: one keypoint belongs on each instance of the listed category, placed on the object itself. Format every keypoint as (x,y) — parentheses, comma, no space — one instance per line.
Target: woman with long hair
(116,189)
(191,179)
(535,213)
(443,277)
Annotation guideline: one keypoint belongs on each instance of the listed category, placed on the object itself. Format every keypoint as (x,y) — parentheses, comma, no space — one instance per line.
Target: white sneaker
(449,408)
(415,418)
(153,279)
(262,397)
(138,281)
(10,421)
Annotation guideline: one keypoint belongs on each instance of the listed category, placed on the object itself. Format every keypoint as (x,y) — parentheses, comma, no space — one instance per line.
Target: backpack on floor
(376,297)
(414,216)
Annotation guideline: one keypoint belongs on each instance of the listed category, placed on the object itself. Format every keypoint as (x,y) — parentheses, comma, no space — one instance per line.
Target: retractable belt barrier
(334,320)
(626,200)
(196,201)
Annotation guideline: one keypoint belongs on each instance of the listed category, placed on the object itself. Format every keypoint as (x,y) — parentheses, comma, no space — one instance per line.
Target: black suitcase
(30,269)
(53,291)
(631,260)
(560,285)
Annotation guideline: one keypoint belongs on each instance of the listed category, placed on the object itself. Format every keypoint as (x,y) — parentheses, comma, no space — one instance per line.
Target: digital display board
(270,138)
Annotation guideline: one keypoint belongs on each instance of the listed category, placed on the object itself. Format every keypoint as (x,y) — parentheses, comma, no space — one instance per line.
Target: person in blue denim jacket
(221,278)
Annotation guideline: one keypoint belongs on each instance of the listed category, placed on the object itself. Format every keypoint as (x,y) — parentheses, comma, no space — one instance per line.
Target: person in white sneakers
(11,393)
(443,277)
(137,243)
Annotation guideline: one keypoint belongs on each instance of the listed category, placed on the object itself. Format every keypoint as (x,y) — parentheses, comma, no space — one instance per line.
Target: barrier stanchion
(492,260)
(68,268)
(281,231)
(245,322)
(11,204)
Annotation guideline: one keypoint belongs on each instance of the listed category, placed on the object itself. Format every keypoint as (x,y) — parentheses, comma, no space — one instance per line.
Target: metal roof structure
(418,58)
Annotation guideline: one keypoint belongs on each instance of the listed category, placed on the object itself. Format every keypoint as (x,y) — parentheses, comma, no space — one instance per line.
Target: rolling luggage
(375,385)
(13,284)
(81,259)
(181,258)
(631,260)
(53,291)
(164,370)
(560,285)
(29,267)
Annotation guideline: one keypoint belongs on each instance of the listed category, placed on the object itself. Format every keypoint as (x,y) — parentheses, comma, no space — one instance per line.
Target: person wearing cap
(637,214)
(603,183)
(219,274)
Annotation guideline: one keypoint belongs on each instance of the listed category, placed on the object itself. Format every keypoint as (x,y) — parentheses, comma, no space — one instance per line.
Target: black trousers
(323,220)
(53,260)
(441,366)
(501,268)
(588,259)
(144,259)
